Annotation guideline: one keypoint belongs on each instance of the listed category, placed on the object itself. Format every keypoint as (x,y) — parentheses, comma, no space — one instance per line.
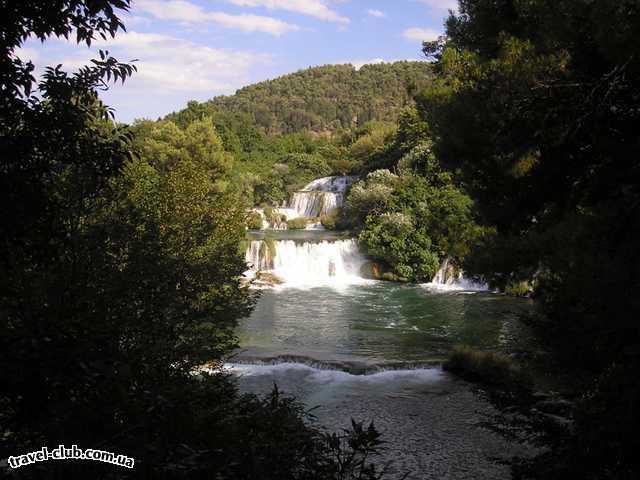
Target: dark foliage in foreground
(118,277)
(536,106)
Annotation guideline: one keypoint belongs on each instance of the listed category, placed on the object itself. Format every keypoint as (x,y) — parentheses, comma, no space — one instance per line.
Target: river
(371,350)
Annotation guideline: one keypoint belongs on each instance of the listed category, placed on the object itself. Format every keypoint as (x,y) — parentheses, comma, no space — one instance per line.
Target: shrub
(518,289)
(371,195)
(268,212)
(254,221)
(329,221)
(392,238)
(490,369)
(297,224)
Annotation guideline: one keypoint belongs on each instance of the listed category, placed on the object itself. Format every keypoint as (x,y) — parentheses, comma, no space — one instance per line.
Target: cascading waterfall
(308,264)
(448,277)
(259,256)
(320,197)
(332,263)
(325,262)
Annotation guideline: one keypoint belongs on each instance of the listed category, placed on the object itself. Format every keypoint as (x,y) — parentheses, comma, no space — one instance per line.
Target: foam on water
(450,279)
(326,376)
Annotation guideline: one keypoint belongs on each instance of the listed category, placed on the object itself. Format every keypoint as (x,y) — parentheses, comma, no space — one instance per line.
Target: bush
(297,224)
(393,238)
(273,431)
(254,221)
(490,369)
(370,196)
(518,289)
(268,212)
(329,221)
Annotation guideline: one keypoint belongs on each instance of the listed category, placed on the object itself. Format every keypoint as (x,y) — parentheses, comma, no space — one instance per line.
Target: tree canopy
(323,100)
(536,107)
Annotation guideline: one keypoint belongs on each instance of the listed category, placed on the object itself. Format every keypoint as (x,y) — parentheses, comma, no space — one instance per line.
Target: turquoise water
(371,352)
(380,323)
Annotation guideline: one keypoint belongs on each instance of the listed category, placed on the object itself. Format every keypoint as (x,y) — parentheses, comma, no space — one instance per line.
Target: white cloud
(376,13)
(416,34)
(313,8)
(168,63)
(441,4)
(165,63)
(187,12)
(136,21)
(358,64)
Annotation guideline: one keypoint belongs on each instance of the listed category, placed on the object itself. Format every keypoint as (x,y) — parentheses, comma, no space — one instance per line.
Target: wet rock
(268,278)
(540,396)
(392,277)
(371,270)
(332,269)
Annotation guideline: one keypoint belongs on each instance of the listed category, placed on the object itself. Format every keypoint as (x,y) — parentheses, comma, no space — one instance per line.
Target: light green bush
(297,224)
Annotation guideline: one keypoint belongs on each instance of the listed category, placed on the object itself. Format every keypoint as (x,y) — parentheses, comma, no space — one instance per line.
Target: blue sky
(197,49)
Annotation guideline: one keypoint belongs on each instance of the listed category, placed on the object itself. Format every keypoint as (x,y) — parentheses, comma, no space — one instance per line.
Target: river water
(372,350)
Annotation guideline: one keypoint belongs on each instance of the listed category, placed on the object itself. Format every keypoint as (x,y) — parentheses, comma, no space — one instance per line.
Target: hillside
(325,99)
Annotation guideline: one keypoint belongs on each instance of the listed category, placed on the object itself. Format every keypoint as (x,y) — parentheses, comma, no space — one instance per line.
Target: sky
(198,49)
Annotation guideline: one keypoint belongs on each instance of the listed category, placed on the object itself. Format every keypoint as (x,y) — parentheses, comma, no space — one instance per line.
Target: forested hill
(324,99)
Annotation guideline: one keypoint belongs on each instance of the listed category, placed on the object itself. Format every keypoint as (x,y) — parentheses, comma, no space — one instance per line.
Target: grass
(488,368)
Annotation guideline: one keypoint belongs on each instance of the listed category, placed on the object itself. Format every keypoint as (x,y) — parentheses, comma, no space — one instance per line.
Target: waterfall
(314,204)
(277,222)
(307,264)
(320,197)
(258,256)
(448,277)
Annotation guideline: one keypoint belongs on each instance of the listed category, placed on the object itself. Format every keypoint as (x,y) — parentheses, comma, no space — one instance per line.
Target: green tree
(413,222)
(536,107)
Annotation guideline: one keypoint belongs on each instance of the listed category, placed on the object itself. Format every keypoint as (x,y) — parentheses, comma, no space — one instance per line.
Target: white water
(258,256)
(333,263)
(448,278)
(325,376)
(320,197)
(308,264)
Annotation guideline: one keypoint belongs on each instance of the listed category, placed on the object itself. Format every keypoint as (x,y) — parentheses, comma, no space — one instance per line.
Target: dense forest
(326,99)
(513,152)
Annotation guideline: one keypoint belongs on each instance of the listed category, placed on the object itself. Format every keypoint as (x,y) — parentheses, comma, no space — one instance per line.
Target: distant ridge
(325,99)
